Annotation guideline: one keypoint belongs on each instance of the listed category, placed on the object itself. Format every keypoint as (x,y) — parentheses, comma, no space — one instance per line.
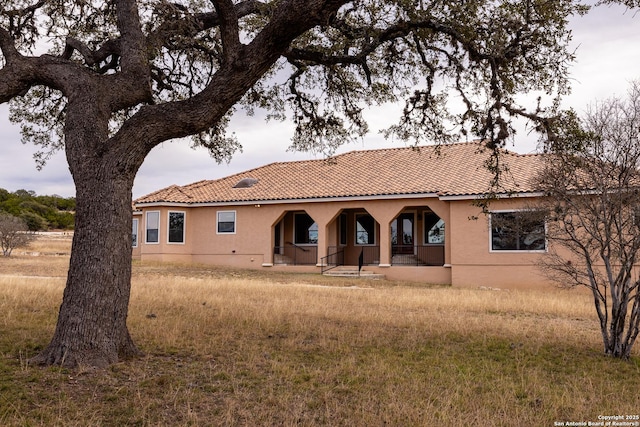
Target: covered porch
(374,235)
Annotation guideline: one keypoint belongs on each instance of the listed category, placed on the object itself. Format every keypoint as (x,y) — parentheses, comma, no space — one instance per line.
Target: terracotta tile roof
(447,170)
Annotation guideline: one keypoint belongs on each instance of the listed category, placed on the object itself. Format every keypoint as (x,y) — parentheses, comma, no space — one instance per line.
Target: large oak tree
(122,76)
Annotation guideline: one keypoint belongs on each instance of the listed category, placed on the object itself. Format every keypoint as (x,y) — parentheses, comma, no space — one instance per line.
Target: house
(406,213)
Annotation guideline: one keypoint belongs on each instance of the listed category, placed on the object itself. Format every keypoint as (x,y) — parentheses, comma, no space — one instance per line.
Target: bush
(40,212)
(34,221)
(14,233)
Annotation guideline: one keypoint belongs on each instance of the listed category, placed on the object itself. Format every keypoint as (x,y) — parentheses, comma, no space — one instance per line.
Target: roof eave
(443,197)
(290,201)
(513,195)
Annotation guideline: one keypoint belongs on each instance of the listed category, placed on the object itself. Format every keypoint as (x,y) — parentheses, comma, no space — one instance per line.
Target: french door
(402,234)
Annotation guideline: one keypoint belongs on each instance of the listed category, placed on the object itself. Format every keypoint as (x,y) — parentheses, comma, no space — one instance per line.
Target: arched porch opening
(295,239)
(417,236)
(354,240)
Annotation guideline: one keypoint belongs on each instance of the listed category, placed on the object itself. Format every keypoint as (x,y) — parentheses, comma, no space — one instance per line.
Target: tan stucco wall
(163,249)
(473,262)
(468,259)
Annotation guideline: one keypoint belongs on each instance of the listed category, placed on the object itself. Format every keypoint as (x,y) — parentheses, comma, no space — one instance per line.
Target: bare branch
(14,233)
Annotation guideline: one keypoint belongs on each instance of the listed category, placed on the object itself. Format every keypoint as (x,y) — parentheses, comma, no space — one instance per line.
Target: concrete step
(353,272)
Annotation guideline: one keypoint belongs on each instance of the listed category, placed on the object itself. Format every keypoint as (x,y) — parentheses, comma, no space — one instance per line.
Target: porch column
(322,215)
(383,214)
(443,210)
(270,215)
(323,228)
(385,244)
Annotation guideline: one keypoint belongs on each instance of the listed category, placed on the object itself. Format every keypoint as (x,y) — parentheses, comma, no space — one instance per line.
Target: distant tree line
(39,212)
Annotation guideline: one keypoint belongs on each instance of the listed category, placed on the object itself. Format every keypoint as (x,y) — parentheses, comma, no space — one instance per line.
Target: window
(365,229)
(342,224)
(134,233)
(153,227)
(434,229)
(226,222)
(518,231)
(306,230)
(176,227)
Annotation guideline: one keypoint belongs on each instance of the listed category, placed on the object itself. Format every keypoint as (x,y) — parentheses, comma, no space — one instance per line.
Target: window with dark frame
(434,229)
(518,231)
(176,227)
(365,229)
(343,229)
(305,230)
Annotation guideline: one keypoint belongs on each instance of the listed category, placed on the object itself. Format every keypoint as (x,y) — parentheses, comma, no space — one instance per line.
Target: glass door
(402,234)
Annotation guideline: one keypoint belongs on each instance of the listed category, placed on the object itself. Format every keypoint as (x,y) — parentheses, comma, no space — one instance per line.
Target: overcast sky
(608,58)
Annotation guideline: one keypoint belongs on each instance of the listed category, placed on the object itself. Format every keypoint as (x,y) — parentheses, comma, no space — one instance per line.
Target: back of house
(405,213)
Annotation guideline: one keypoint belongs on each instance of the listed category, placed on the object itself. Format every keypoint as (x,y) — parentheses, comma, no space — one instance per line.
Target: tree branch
(7,46)
(229,32)
(170,29)
(153,124)
(12,76)
(18,17)
(134,61)
(72,44)
(203,21)
(400,30)
(23,11)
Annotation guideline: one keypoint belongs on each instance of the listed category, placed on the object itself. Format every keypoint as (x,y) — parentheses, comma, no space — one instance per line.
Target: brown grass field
(241,348)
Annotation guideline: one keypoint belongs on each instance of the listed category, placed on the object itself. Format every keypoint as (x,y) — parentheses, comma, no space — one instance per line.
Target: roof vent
(246,183)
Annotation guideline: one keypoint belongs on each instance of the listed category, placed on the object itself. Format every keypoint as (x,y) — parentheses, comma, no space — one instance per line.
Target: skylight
(246,183)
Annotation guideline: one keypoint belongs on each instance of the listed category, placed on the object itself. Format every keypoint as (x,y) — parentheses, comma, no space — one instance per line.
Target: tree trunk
(618,332)
(91,328)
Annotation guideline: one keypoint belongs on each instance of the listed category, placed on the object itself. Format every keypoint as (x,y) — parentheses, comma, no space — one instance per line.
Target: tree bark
(91,328)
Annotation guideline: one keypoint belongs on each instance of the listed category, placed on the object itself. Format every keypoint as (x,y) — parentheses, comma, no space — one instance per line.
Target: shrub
(14,233)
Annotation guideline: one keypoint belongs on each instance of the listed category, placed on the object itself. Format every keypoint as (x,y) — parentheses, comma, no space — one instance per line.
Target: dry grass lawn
(231,347)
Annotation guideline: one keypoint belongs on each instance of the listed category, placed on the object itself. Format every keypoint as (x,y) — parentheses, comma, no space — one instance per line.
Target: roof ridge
(182,191)
(412,147)
(372,150)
